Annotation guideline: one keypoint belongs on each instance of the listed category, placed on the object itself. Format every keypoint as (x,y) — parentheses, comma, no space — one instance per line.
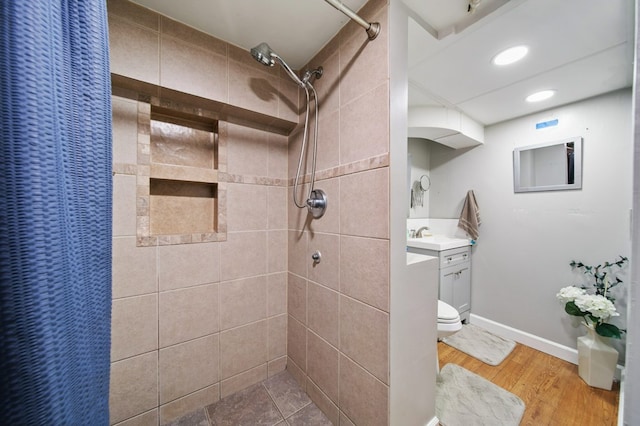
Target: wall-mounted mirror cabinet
(551,166)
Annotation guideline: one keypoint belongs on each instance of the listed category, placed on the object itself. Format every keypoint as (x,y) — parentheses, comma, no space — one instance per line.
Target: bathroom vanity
(454,256)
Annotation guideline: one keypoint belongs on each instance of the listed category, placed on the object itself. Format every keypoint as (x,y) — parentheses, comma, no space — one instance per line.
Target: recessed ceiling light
(510,55)
(540,96)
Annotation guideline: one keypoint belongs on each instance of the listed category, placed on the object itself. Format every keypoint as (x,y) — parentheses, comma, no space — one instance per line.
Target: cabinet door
(447,282)
(462,289)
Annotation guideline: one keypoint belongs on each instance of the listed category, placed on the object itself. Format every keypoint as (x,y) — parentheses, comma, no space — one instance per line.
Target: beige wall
(338,310)
(195,322)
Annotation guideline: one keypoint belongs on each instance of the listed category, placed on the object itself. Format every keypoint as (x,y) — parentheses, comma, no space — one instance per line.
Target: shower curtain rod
(372,28)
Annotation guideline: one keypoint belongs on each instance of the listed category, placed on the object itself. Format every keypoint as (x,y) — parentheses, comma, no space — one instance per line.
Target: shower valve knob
(316,257)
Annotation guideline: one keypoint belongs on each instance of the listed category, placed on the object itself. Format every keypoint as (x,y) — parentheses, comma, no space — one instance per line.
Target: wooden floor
(551,389)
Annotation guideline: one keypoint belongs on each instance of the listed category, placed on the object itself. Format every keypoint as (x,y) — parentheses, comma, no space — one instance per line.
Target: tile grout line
(274,402)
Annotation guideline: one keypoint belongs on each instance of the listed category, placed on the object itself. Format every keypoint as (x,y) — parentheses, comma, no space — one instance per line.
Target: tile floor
(278,401)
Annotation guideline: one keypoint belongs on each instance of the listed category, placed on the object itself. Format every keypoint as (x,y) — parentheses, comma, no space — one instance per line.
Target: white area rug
(480,344)
(466,399)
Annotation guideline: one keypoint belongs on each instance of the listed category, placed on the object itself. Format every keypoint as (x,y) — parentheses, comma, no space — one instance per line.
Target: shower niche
(183,174)
(181,167)
(180,196)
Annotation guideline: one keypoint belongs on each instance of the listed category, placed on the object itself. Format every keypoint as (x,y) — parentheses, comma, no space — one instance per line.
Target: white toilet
(448,320)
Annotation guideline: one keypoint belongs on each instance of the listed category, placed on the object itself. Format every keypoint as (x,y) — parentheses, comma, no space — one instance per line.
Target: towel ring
(425,183)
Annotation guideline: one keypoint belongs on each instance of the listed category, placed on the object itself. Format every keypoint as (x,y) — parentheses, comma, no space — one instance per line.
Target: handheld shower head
(266,56)
(263,54)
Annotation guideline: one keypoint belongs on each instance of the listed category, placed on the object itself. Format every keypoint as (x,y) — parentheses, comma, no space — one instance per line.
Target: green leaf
(572,309)
(608,330)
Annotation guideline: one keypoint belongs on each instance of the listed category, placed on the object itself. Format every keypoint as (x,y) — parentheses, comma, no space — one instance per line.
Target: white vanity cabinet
(454,285)
(455,279)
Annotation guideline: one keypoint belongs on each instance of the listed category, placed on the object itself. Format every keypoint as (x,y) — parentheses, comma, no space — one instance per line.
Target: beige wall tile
(181,145)
(125,130)
(188,313)
(277,200)
(364,336)
(133,51)
(133,268)
(243,380)
(178,408)
(327,271)
(356,56)
(297,217)
(246,207)
(134,386)
(364,270)
(244,254)
(133,13)
(364,126)
(323,402)
(276,366)
(288,107)
(124,205)
(190,69)
(188,367)
(277,251)
(329,142)
(363,398)
(134,326)
(297,373)
(297,298)
(278,156)
(277,336)
(345,421)
(192,36)
(295,142)
(323,312)
(277,294)
(298,259)
(150,418)
(253,90)
(328,87)
(187,265)
(243,348)
(178,214)
(365,219)
(247,150)
(322,365)
(243,301)
(297,343)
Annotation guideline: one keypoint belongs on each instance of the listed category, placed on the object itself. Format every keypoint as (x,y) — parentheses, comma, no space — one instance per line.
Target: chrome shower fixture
(266,56)
(316,202)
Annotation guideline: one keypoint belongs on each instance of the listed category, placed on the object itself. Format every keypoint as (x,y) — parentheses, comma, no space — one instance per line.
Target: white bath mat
(464,398)
(480,344)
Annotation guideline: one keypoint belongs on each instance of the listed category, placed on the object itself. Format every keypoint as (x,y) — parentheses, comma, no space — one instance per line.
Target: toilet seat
(447,314)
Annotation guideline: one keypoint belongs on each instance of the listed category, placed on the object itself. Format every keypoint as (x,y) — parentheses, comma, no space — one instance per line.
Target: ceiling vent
(445,126)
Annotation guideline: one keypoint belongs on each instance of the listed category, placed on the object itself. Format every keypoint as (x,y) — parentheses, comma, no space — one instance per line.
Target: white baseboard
(433,422)
(543,345)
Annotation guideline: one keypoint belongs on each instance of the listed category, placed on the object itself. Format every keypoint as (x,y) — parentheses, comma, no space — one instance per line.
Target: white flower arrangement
(596,308)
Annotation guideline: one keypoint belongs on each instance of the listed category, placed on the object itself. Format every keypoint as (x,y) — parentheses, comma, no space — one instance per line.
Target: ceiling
(580,48)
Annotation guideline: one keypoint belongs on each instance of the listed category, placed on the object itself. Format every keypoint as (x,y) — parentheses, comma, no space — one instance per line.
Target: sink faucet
(419,231)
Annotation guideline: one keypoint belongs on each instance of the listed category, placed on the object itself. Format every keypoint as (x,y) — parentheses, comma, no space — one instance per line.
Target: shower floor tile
(277,401)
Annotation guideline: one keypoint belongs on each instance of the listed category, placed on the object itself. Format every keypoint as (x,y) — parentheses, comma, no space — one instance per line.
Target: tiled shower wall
(195,322)
(338,309)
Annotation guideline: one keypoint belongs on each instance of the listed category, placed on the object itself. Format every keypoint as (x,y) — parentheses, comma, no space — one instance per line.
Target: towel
(470,216)
(417,195)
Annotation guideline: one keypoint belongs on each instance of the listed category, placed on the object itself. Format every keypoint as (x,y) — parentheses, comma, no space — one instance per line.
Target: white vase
(597,360)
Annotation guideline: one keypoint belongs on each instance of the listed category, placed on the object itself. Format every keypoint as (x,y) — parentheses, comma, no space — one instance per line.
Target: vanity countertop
(438,242)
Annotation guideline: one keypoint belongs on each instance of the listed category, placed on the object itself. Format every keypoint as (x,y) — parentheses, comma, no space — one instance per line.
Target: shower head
(266,56)
(263,54)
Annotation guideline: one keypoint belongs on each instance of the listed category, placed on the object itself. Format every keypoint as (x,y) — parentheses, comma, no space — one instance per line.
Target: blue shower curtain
(55,212)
